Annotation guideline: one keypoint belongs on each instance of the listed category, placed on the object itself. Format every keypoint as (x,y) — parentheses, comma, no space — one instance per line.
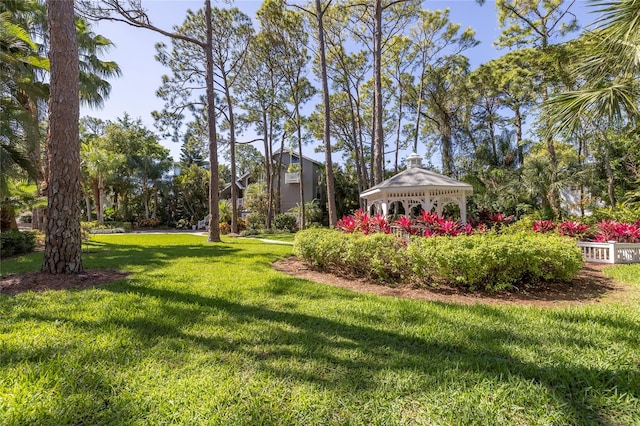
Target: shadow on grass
(299,338)
(348,357)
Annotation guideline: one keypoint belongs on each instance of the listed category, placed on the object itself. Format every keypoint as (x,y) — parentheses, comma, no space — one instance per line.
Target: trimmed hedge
(482,261)
(494,262)
(94,227)
(16,242)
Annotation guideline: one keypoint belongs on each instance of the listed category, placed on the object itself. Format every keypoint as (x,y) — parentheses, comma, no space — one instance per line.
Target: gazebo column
(463,209)
(385,207)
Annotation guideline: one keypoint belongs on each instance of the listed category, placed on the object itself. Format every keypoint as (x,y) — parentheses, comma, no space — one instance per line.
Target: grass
(210,334)
(284,237)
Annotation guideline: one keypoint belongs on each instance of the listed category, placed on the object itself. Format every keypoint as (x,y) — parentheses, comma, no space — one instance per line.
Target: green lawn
(210,334)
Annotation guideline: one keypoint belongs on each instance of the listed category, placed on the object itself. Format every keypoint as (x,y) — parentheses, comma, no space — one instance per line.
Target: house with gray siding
(290,180)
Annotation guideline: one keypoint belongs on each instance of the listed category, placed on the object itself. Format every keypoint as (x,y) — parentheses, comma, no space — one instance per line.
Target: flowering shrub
(427,225)
(607,230)
(490,220)
(617,231)
(573,229)
(360,221)
(543,226)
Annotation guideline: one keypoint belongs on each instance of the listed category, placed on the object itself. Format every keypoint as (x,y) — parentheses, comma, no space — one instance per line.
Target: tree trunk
(303,219)
(279,174)
(97,199)
(447,151)
(331,197)
(610,176)
(268,165)
(378,133)
(63,243)
(519,136)
(214,180)
(87,202)
(232,158)
(8,219)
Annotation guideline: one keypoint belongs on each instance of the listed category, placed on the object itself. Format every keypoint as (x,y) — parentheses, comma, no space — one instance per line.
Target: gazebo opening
(417,189)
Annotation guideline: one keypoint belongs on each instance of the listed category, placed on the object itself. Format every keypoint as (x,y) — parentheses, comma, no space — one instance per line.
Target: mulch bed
(590,286)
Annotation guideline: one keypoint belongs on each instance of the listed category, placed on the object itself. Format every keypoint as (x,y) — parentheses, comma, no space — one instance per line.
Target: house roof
(239,181)
(279,151)
(417,178)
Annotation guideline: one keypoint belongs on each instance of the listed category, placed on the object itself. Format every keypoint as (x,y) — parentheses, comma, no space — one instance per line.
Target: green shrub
(107,231)
(16,242)
(255,222)
(376,256)
(494,262)
(285,222)
(148,222)
(322,248)
(484,261)
(93,227)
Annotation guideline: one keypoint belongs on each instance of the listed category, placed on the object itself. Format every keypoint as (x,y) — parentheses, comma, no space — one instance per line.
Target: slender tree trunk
(519,136)
(279,174)
(419,105)
(268,165)
(232,158)
(63,243)
(610,176)
(378,132)
(398,129)
(447,151)
(95,188)
(331,197)
(303,219)
(214,180)
(87,202)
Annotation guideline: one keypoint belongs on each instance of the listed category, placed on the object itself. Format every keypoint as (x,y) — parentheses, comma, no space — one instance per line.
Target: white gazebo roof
(416,179)
(418,187)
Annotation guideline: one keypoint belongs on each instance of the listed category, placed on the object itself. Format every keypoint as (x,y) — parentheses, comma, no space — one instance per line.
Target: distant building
(289,180)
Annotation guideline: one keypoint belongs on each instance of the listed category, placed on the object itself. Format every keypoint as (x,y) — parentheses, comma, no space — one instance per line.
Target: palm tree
(608,64)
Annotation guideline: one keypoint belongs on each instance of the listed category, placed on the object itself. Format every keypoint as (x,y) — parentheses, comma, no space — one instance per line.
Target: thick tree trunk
(8,219)
(214,180)
(62,253)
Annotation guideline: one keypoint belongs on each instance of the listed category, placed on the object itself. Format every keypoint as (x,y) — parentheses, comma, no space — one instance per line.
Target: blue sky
(134,91)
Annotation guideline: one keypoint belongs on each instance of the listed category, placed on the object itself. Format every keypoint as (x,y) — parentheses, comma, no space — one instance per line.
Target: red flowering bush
(362,222)
(617,231)
(544,226)
(573,229)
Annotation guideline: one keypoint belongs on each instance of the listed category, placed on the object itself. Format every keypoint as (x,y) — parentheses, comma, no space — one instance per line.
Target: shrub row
(482,261)
(93,227)
(16,242)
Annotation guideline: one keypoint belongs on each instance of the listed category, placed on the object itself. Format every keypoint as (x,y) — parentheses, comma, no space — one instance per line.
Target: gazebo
(418,187)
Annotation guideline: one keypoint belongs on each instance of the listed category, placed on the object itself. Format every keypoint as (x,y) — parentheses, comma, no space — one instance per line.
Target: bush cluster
(106,228)
(606,230)
(16,242)
(482,261)
(148,223)
(285,222)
